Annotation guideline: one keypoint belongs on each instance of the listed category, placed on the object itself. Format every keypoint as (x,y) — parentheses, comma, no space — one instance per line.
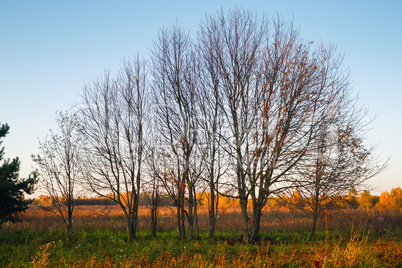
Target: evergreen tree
(12,188)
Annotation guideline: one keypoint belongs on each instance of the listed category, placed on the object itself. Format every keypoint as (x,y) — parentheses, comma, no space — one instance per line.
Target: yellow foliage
(224,202)
(45,201)
(391,200)
(366,200)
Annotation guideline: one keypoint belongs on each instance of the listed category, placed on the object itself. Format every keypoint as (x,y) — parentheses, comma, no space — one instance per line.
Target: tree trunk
(178,211)
(212,217)
(154,221)
(245,218)
(212,211)
(190,231)
(316,198)
(70,224)
(182,222)
(315,219)
(196,221)
(181,215)
(255,229)
(132,221)
(313,228)
(154,212)
(190,214)
(131,232)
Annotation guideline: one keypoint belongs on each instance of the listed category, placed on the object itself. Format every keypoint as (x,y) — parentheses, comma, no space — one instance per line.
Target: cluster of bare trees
(246,109)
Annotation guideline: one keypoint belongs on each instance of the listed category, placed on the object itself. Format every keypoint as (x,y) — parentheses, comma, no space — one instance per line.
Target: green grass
(95,248)
(355,238)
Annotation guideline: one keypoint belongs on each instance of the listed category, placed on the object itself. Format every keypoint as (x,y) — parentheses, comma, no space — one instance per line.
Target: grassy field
(348,238)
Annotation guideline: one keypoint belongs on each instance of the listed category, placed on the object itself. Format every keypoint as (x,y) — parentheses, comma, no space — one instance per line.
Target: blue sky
(50,49)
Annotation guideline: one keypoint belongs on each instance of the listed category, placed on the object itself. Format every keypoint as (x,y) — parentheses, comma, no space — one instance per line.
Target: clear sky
(50,49)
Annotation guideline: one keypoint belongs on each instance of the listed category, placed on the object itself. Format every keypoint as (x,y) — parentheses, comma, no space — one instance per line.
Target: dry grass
(112,218)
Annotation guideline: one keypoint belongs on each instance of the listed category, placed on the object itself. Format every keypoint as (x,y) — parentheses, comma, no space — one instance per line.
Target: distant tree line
(362,200)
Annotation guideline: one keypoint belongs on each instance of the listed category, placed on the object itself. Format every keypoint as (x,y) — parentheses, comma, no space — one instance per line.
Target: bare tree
(232,45)
(211,127)
(113,120)
(154,199)
(175,73)
(339,163)
(153,186)
(275,93)
(299,97)
(59,165)
(213,157)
